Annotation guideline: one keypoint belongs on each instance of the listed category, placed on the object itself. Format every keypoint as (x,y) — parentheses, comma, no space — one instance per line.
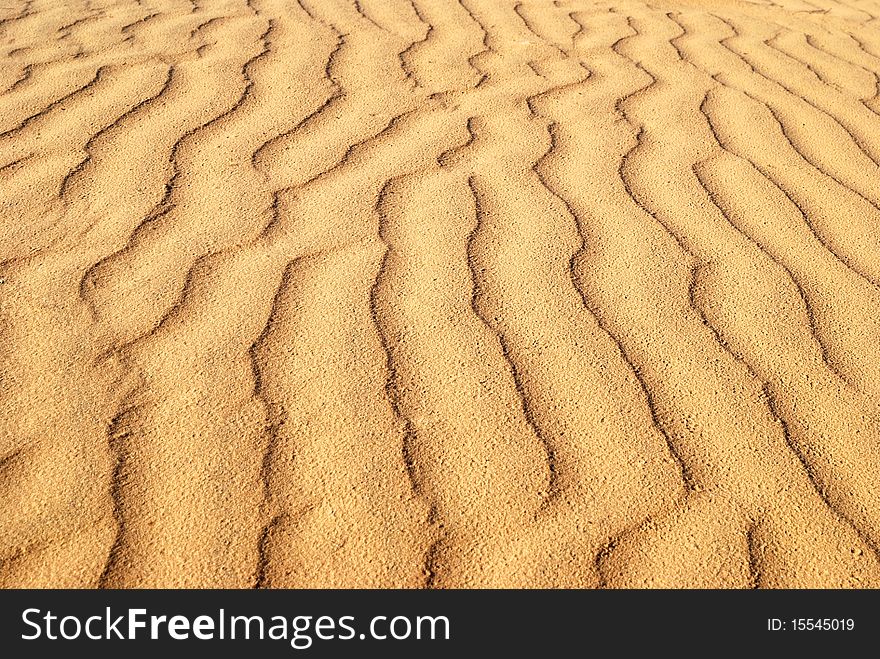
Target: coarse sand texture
(440,293)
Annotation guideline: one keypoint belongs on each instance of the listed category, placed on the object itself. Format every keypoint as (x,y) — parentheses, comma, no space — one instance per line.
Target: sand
(439,293)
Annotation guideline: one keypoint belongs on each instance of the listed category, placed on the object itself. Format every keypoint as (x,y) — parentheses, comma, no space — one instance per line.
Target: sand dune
(440,293)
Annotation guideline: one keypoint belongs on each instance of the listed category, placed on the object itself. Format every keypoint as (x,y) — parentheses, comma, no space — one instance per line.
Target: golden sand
(440,293)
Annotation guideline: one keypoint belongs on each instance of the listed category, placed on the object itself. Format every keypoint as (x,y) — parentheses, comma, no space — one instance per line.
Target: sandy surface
(436,293)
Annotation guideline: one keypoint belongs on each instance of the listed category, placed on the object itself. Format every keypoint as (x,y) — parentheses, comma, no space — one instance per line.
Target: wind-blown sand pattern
(440,293)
